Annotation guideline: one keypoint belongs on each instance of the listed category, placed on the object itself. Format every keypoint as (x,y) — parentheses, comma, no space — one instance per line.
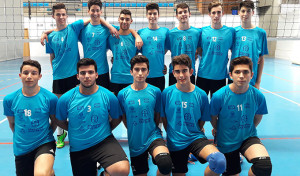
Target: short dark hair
(151,6)
(182,6)
(242,60)
(58,6)
(33,63)
(247,4)
(94,2)
(139,59)
(182,59)
(86,62)
(125,12)
(214,4)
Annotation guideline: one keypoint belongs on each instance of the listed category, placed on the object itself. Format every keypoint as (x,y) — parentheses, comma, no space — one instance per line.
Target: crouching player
(185,110)
(141,105)
(236,111)
(28,111)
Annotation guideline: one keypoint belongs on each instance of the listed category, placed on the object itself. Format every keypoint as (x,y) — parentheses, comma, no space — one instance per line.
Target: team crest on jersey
(214,39)
(122,44)
(62,39)
(155,38)
(244,38)
(184,38)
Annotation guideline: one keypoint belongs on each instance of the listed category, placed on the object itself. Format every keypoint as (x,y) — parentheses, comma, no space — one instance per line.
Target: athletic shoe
(60,143)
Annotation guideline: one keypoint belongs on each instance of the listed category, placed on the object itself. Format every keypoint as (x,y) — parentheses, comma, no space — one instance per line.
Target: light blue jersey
(139,108)
(88,116)
(64,45)
(183,42)
(94,42)
(154,49)
(31,115)
(235,116)
(123,50)
(215,44)
(183,111)
(251,43)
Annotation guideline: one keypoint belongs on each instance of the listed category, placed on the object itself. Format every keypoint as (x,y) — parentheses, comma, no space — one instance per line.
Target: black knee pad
(262,166)
(164,163)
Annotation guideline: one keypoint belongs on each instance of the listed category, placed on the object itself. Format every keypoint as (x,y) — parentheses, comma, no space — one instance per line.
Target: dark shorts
(233,158)
(103,80)
(172,79)
(115,87)
(139,164)
(62,86)
(106,152)
(210,84)
(180,158)
(157,82)
(25,163)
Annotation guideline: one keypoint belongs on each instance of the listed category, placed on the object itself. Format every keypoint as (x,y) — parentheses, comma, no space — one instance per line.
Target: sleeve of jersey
(49,50)
(163,104)
(262,105)
(168,42)
(53,102)
(121,101)
(158,101)
(205,115)
(215,107)
(7,106)
(61,107)
(77,26)
(264,43)
(114,110)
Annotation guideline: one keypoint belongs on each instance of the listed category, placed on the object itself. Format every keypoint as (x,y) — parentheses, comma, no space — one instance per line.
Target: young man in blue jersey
(64,54)
(216,40)
(154,38)
(250,41)
(141,106)
(94,41)
(123,50)
(85,111)
(236,111)
(185,110)
(28,111)
(184,39)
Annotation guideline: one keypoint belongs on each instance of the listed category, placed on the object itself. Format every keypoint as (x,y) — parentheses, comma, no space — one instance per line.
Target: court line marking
(297,83)
(3,120)
(10,85)
(281,97)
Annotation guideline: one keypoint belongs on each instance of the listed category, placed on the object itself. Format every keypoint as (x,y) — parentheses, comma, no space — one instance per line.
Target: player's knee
(164,163)
(217,162)
(262,166)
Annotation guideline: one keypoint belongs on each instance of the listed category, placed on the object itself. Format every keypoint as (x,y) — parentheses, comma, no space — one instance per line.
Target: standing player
(216,40)
(141,105)
(250,41)
(123,50)
(236,111)
(64,54)
(183,39)
(28,111)
(185,110)
(154,38)
(88,108)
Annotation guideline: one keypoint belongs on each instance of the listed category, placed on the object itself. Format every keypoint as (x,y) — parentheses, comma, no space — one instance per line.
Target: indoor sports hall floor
(279,130)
